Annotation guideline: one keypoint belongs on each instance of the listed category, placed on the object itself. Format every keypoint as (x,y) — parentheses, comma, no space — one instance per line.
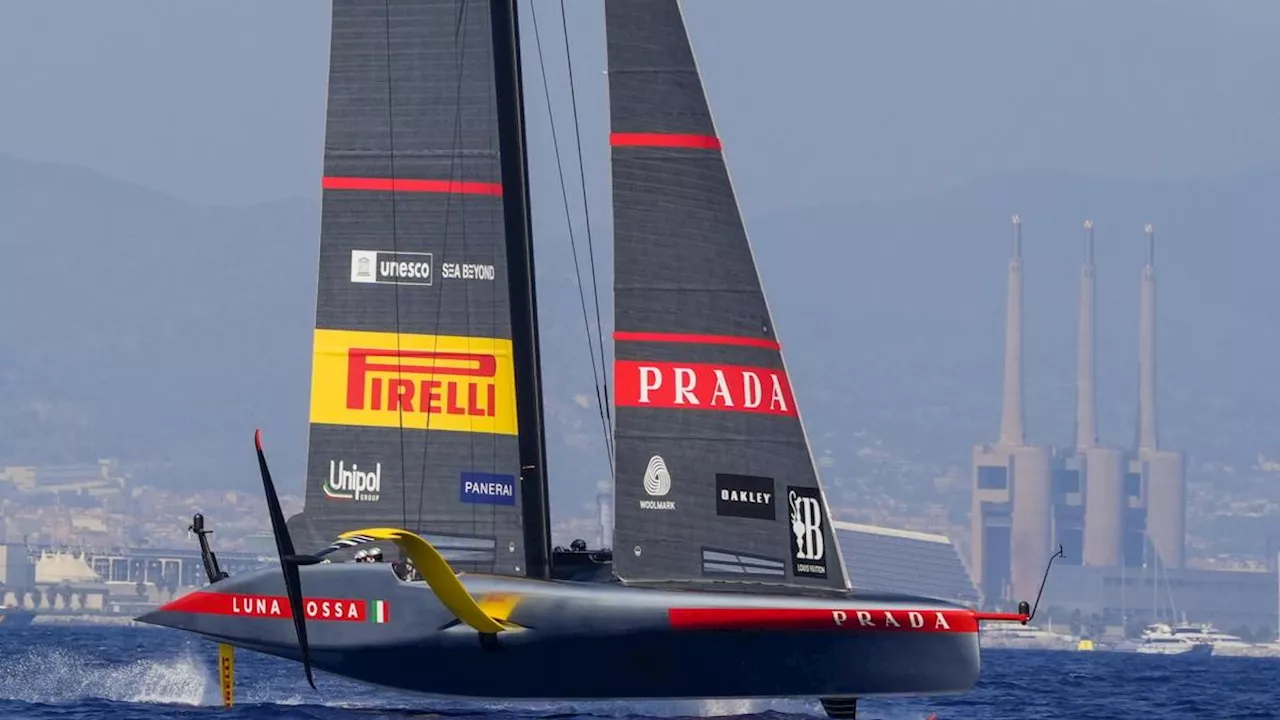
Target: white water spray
(63,676)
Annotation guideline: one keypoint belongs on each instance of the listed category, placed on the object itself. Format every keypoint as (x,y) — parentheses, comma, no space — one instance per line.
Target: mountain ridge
(162,333)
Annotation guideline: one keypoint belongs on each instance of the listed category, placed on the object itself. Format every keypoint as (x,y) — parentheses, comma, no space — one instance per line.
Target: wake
(60,676)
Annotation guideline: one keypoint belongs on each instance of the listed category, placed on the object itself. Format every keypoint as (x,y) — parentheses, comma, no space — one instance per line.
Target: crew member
(405,570)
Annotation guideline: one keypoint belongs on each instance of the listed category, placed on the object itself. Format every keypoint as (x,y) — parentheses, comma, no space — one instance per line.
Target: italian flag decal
(381,611)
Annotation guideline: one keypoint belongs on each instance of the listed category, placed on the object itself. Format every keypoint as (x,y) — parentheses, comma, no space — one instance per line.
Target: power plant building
(1106,508)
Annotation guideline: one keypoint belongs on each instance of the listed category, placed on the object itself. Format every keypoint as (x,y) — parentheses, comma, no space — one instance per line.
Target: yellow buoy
(1085,645)
(227,673)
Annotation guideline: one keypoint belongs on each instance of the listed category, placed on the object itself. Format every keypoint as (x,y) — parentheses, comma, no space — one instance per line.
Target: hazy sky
(819,102)
(222,102)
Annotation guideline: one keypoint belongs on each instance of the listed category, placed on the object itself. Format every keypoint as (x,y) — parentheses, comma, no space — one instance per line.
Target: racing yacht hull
(579,641)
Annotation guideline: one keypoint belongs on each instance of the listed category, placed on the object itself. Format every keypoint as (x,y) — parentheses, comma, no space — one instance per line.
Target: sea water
(122,673)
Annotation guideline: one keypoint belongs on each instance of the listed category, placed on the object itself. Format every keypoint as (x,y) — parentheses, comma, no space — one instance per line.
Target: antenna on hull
(1026,611)
(207,555)
(1022,606)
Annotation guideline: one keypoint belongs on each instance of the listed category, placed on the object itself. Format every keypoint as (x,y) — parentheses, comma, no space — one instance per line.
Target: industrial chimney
(1147,436)
(1011,431)
(1163,474)
(1086,410)
(1012,481)
(604,513)
(1100,468)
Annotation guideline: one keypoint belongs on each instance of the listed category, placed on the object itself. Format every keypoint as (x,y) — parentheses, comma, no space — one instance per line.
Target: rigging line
(586,211)
(596,373)
(395,248)
(459,41)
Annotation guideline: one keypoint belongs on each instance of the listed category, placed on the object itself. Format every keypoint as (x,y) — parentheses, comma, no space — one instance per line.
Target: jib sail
(715,480)
(413,399)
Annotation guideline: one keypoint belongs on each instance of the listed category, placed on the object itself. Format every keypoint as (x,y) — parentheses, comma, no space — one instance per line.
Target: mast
(504,21)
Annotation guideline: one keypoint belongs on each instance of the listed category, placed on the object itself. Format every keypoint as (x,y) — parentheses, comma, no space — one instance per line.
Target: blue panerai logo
(487,488)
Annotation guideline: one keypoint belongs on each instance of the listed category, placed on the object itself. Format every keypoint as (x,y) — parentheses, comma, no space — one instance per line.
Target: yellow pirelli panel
(423,382)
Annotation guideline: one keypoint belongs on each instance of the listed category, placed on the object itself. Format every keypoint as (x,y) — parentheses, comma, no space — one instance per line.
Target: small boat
(1208,635)
(1160,639)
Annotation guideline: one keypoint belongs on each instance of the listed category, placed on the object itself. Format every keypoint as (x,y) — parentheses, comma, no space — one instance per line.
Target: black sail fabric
(715,480)
(413,408)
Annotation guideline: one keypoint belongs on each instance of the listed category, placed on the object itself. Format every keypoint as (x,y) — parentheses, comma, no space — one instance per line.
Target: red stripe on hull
(841,620)
(459,187)
(1002,617)
(665,140)
(695,339)
(269,606)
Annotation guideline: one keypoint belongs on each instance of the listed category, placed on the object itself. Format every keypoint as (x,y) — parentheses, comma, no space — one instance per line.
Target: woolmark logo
(808,550)
(352,483)
(393,268)
(657,483)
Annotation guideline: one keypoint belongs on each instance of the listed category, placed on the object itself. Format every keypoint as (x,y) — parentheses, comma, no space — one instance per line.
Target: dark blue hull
(594,640)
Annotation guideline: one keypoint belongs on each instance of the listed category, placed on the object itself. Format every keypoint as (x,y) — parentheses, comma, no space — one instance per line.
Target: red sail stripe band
(668,140)
(461,187)
(765,343)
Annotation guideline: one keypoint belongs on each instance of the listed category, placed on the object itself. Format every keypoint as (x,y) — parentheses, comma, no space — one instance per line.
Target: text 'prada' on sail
(703,386)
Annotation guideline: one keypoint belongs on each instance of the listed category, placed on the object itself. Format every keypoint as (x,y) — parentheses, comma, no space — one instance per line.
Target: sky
(818,102)
(828,110)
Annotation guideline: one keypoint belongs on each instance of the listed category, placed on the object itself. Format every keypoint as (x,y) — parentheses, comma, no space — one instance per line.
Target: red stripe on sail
(765,343)
(834,619)
(460,187)
(667,140)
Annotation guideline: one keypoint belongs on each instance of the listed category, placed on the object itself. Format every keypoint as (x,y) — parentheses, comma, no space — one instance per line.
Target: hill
(141,327)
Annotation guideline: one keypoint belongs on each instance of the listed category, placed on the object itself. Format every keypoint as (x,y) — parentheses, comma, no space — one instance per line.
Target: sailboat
(427,433)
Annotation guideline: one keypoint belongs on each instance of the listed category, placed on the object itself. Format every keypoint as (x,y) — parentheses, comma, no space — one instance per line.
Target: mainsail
(715,480)
(413,395)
